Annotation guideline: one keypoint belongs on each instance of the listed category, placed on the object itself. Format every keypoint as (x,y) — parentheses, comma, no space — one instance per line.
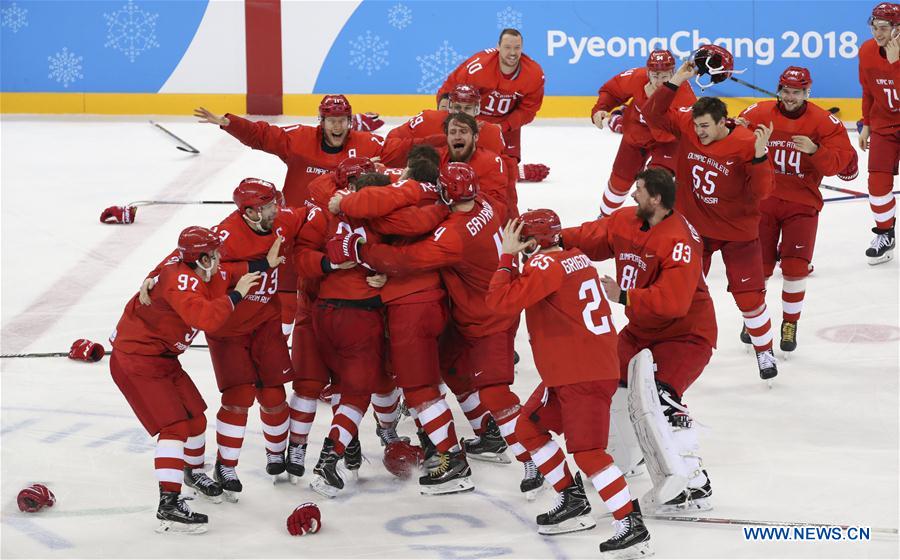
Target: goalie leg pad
(668,469)
(623,444)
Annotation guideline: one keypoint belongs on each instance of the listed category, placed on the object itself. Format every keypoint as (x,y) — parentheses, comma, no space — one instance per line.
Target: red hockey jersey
(466,250)
(429,124)
(719,186)
(569,324)
(510,101)
(301,148)
(880,81)
(659,266)
(182,305)
(629,85)
(797,174)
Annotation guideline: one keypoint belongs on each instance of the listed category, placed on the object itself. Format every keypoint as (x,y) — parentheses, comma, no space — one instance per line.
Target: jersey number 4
(590,291)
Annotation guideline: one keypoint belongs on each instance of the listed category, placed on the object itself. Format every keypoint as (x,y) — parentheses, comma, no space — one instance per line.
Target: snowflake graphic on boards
(436,67)
(65,67)
(14,17)
(368,53)
(509,18)
(399,16)
(131,30)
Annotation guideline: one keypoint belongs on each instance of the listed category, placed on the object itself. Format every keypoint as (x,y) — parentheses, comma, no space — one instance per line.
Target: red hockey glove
(34,498)
(852,170)
(306,518)
(343,248)
(86,351)
(367,122)
(533,172)
(616,121)
(119,215)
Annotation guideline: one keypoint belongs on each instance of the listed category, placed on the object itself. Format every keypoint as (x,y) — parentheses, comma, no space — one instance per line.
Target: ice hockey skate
(571,513)
(296,456)
(388,434)
(327,481)
(532,482)
(176,517)
(275,466)
(768,365)
(353,457)
(691,500)
(490,447)
(228,478)
(202,485)
(632,540)
(788,337)
(450,474)
(881,250)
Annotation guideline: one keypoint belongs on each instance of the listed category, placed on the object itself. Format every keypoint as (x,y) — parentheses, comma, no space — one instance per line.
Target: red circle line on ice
(860,333)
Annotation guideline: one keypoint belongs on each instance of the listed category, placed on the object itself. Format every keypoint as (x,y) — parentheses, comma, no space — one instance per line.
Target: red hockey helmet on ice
(465,94)
(543,225)
(660,61)
(196,241)
(254,193)
(34,498)
(350,168)
(458,182)
(886,11)
(402,459)
(334,106)
(795,77)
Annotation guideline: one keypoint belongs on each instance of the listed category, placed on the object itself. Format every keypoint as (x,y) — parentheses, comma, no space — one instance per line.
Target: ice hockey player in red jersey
(574,345)
(879,75)
(192,293)
(808,143)
(511,85)
(249,353)
(477,352)
(428,128)
(308,151)
(462,146)
(667,342)
(724,172)
(641,145)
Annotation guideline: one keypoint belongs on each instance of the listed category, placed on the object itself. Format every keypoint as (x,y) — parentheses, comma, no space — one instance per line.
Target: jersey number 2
(590,289)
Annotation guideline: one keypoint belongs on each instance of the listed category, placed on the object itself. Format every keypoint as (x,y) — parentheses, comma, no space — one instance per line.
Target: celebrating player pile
(406,284)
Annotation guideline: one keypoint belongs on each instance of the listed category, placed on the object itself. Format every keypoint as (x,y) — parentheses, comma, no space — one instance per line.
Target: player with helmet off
(641,146)
(724,172)
(879,75)
(193,292)
(308,151)
(477,349)
(511,85)
(667,342)
(574,345)
(807,144)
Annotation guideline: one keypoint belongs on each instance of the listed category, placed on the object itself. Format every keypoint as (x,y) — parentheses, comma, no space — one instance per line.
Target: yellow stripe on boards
(578,107)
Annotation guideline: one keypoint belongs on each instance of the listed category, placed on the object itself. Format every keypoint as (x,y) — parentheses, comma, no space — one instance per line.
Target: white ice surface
(821,446)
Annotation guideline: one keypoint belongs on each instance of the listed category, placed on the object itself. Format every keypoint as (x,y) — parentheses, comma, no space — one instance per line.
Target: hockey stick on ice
(833,110)
(759,523)
(185,147)
(65,354)
(153,202)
